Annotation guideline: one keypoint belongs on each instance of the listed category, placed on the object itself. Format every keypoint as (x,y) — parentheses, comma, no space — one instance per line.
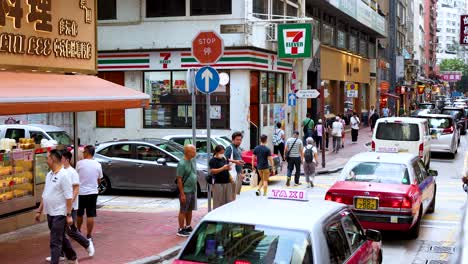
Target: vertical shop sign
(464,30)
(294,40)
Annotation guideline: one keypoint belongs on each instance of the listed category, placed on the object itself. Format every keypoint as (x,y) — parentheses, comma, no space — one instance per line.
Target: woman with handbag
(223,188)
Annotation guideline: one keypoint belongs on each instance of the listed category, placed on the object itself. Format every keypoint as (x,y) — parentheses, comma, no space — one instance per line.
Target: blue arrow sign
(207,80)
(292,99)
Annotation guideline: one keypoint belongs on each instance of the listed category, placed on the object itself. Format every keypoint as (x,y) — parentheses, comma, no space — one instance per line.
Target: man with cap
(294,156)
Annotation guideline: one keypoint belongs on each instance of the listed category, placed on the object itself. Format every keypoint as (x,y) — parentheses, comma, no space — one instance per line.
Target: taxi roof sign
(288,194)
(387,149)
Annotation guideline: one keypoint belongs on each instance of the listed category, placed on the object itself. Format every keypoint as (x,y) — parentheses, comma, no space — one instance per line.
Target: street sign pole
(208,143)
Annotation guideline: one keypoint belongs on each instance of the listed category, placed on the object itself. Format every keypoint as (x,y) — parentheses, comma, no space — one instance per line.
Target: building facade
(430,25)
(448,30)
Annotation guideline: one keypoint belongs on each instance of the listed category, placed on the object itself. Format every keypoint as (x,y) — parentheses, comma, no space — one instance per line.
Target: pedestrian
(371,112)
(385,112)
(319,130)
(294,157)
(337,133)
(56,203)
(308,126)
(261,156)
(186,177)
(278,141)
(310,161)
(223,191)
(233,154)
(373,120)
(90,172)
(343,133)
(72,230)
(355,122)
(329,123)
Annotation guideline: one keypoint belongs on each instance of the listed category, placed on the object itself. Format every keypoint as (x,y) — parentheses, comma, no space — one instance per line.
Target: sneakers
(49,259)
(311,185)
(90,248)
(297,184)
(72,261)
(188,229)
(257,193)
(288,182)
(183,233)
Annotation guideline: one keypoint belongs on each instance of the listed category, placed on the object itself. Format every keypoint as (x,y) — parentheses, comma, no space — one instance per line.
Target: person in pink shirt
(342,120)
(319,129)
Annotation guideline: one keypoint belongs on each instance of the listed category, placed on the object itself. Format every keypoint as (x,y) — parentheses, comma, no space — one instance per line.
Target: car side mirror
(373,235)
(161,161)
(433,173)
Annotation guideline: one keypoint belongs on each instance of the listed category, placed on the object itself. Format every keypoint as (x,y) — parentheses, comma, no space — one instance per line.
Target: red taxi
(386,191)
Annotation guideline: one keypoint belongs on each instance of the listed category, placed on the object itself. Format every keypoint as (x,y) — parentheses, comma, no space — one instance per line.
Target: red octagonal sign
(207,47)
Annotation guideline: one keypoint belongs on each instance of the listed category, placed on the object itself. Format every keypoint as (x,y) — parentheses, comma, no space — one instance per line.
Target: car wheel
(431,207)
(104,186)
(248,174)
(414,231)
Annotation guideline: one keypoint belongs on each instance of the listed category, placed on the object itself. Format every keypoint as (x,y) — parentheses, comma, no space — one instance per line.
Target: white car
(405,134)
(444,133)
(461,250)
(36,131)
(276,230)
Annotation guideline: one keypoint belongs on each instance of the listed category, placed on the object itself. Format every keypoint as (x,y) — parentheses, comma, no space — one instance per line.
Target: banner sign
(294,40)
(451,76)
(464,30)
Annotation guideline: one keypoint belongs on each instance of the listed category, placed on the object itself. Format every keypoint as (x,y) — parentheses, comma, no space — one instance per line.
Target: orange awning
(29,93)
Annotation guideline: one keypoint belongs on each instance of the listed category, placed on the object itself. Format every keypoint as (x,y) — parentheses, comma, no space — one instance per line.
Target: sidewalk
(335,161)
(119,237)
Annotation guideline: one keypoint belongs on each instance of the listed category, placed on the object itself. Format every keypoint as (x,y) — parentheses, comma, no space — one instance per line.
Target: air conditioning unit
(272,32)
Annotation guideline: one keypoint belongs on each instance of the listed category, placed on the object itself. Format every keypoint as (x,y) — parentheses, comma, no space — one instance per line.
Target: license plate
(366,203)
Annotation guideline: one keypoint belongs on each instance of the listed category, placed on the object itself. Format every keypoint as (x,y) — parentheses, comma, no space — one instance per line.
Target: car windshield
(61,137)
(426,106)
(219,242)
(439,122)
(397,131)
(173,148)
(454,113)
(376,172)
(223,141)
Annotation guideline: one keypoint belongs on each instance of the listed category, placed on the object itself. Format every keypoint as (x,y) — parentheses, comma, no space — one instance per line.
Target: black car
(459,115)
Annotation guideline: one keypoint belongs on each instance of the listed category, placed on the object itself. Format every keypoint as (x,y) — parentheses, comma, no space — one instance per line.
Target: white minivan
(403,134)
(36,131)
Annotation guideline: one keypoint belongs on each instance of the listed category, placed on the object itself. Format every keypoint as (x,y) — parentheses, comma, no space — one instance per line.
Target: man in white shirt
(90,172)
(354,127)
(57,205)
(337,131)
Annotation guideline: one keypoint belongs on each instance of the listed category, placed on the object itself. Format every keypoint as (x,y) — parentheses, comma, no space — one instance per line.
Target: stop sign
(207,47)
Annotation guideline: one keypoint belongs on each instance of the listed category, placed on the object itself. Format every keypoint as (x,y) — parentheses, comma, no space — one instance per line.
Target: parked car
(36,131)
(459,115)
(146,164)
(281,230)
(225,141)
(419,112)
(444,133)
(405,134)
(387,191)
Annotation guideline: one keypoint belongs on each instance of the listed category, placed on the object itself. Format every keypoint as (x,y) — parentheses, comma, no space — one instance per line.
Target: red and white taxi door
(362,250)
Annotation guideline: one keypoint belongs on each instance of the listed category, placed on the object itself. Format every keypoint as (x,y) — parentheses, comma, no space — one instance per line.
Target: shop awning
(28,93)
(390,95)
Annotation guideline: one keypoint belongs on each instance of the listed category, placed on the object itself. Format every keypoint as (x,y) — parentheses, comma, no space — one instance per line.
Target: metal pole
(194,107)
(75,138)
(208,143)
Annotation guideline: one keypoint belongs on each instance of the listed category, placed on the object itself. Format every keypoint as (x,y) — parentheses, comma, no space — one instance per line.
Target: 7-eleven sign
(294,40)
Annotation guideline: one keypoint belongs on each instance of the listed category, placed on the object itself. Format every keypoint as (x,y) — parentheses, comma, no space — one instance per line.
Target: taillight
(448,130)
(373,146)
(406,203)
(328,197)
(421,150)
(339,199)
(396,204)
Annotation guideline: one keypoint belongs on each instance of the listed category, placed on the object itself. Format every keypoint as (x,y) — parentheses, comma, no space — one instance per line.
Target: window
(338,247)
(210,7)
(278,8)
(123,151)
(271,87)
(37,136)
(149,153)
(328,34)
(260,7)
(418,173)
(61,137)
(353,45)
(398,131)
(218,242)
(107,9)
(376,172)
(171,103)
(15,133)
(353,231)
(159,8)
(341,39)
(111,118)
(423,169)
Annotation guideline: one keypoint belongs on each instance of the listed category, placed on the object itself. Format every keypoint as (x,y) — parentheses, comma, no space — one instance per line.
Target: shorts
(264,174)
(88,203)
(190,203)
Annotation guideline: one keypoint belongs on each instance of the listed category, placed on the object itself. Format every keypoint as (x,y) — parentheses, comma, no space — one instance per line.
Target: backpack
(276,138)
(309,155)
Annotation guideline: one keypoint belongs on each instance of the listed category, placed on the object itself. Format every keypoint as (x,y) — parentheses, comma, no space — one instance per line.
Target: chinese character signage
(451,76)
(294,40)
(464,30)
(48,35)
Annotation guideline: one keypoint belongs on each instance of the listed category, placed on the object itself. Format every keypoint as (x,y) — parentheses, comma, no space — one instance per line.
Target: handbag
(289,150)
(305,129)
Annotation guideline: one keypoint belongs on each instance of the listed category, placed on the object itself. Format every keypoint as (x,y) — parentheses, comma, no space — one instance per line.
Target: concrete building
(430,26)
(419,37)
(154,55)
(448,30)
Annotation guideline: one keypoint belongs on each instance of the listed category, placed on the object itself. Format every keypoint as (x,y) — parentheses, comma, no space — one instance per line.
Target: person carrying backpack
(278,141)
(310,161)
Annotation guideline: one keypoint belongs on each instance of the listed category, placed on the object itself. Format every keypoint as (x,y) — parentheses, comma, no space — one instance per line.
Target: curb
(163,256)
(320,172)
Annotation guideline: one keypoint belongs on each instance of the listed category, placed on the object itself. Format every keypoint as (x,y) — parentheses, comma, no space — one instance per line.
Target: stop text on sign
(206,41)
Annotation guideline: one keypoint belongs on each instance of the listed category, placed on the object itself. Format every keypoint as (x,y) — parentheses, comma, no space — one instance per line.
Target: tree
(452,65)
(462,85)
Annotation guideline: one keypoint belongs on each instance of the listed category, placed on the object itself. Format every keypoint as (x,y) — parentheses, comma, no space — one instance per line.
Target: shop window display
(171,103)
(16,175)
(271,87)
